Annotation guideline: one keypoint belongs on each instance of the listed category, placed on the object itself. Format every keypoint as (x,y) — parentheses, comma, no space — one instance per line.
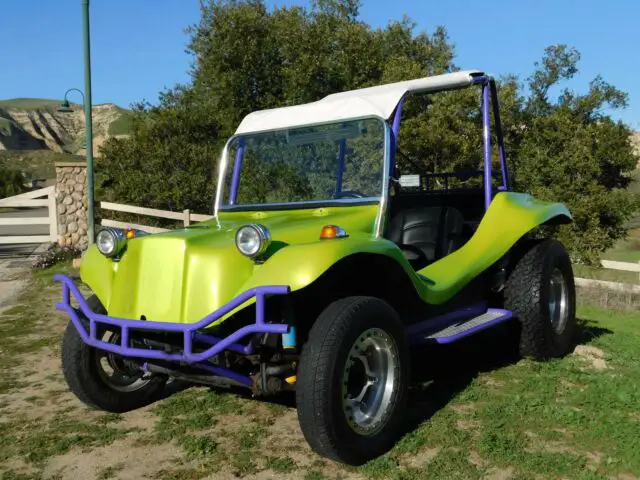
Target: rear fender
(509,217)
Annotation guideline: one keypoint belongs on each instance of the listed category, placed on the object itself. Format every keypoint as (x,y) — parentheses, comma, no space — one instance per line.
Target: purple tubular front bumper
(189,331)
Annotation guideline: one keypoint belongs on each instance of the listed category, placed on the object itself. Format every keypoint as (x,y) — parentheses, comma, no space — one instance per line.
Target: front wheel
(352,380)
(104,380)
(540,291)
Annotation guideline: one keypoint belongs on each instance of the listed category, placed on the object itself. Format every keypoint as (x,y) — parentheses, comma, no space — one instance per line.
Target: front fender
(97,272)
(300,265)
(509,217)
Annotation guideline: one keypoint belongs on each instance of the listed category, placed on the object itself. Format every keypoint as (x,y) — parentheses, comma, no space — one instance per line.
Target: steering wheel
(350,194)
(417,259)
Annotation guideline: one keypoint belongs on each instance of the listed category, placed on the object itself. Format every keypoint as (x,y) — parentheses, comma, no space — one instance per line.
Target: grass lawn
(626,250)
(620,276)
(475,411)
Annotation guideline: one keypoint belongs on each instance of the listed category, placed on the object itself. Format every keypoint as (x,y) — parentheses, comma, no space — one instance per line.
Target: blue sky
(138,46)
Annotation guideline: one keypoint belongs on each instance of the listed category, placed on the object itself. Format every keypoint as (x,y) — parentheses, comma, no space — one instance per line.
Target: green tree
(11,182)
(247,57)
(571,151)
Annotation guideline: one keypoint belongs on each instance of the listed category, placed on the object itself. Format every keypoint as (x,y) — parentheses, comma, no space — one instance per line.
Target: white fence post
(186,217)
(53,217)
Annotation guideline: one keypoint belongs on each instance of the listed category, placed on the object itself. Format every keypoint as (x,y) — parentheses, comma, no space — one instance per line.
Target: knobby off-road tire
(352,338)
(540,291)
(81,368)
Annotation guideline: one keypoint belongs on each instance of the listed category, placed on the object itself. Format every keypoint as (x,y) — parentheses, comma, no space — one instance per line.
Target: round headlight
(252,240)
(110,241)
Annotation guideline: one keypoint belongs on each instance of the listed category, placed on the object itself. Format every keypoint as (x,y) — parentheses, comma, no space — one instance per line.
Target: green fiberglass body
(321,264)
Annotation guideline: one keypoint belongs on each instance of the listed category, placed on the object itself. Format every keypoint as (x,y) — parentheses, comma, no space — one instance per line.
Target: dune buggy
(320,266)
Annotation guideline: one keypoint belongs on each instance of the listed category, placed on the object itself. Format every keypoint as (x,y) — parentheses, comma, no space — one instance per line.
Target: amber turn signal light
(332,231)
(130,233)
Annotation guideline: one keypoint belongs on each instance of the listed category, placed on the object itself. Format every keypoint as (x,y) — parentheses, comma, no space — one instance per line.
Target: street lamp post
(86,105)
(65,106)
(87,117)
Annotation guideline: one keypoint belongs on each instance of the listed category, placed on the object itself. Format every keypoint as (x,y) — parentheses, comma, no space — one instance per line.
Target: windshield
(308,164)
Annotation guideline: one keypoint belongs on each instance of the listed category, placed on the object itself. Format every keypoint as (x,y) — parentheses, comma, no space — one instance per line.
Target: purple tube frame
(486,140)
(189,331)
(499,135)
(395,129)
(395,126)
(419,332)
(342,150)
(434,324)
(235,179)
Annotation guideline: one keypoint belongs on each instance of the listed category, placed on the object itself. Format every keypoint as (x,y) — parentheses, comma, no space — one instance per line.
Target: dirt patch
(464,407)
(468,425)
(477,460)
(43,392)
(13,281)
(594,459)
(133,462)
(421,458)
(9,291)
(285,437)
(592,355)
(492,382)
(499,474)
(625,476)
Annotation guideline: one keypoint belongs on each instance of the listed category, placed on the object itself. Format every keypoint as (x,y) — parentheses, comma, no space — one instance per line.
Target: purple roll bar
(235,179)
(189,331)
(486,140)
(395,130)
(499,135)
(395,127)
(342,150)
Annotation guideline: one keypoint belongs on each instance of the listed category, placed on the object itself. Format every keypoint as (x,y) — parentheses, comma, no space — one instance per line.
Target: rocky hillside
(36,124)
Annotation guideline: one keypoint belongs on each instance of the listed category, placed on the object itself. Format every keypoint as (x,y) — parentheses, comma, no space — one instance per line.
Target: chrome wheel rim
(370,381)
(558,301)
(116,372)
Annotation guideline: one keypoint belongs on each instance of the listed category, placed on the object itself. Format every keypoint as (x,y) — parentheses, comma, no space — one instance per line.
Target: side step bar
(434,331)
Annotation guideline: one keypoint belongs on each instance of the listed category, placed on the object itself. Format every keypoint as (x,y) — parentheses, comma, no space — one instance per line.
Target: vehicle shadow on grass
(441,372)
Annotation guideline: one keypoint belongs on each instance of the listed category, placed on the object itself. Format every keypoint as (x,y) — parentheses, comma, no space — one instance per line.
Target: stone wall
(71,200)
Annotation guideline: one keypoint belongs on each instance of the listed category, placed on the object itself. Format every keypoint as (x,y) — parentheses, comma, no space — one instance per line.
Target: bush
(11,182)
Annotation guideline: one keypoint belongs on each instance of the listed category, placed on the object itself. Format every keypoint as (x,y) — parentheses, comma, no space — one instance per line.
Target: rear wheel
(541,293)
(102,379)
(352,380)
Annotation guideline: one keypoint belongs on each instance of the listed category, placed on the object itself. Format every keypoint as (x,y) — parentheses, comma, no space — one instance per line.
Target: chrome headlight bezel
(118,239)
(262,236)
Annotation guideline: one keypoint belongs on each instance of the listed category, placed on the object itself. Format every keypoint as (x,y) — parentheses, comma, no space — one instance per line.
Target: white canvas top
(378,101)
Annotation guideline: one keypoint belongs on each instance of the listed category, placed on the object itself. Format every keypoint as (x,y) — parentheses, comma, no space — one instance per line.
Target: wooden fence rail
(186,217)
(613,265)
(30,200)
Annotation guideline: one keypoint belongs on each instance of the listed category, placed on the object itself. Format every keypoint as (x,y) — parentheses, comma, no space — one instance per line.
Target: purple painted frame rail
(189,331)
(418,332)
